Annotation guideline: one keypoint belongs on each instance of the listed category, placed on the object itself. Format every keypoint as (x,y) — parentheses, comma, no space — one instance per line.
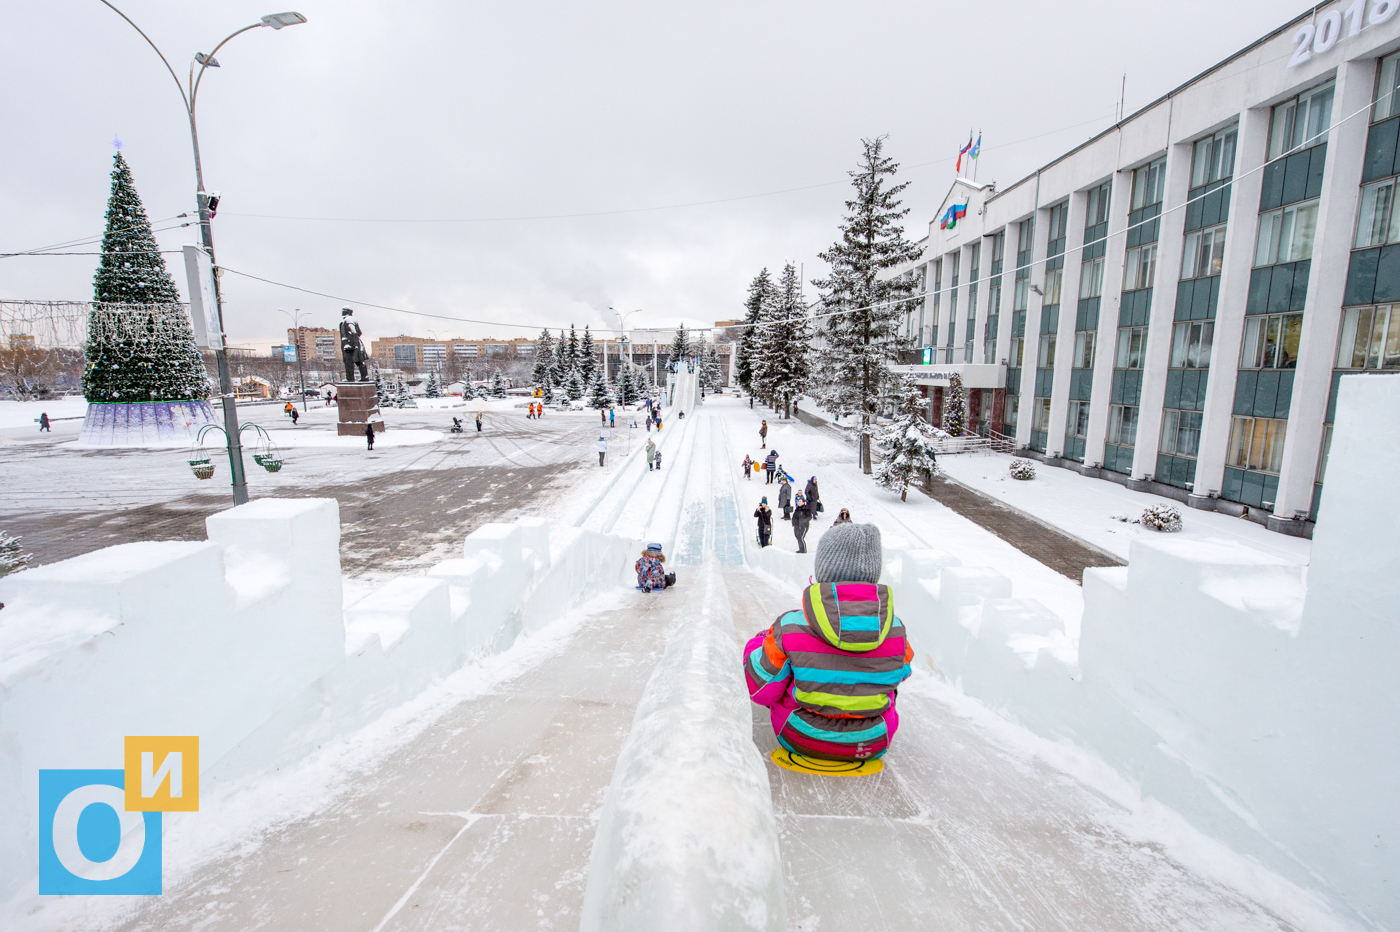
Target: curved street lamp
(189,94)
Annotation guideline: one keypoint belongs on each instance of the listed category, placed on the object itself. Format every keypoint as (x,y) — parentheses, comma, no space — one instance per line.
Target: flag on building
(952,215)
(976,148)
(964,151)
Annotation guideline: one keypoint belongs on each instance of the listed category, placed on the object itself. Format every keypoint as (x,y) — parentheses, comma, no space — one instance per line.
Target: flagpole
(976,160)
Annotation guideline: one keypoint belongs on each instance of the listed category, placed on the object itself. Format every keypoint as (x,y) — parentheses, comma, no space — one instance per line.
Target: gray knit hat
(849,553)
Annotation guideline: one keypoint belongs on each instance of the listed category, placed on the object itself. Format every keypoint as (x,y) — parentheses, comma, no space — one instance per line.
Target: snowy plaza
(643,468)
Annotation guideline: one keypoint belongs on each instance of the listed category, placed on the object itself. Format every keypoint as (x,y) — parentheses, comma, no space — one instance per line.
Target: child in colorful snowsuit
(829,672)
(651,569)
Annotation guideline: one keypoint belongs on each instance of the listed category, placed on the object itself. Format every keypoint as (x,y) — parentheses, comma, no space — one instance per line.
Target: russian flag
(964,151)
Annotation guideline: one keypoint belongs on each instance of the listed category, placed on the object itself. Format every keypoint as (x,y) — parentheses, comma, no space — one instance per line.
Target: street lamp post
(301,374)
(206,211)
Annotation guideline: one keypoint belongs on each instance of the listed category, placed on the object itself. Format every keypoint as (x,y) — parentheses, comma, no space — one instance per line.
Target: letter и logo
(162,774)
(89,842)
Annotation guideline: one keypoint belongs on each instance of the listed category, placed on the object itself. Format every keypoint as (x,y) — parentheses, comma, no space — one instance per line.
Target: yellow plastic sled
(828,768)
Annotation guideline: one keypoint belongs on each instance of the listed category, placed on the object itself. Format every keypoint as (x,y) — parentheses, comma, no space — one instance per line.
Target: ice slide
(496,813)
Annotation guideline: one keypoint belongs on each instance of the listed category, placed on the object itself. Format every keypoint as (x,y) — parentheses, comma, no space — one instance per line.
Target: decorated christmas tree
(907,456)
(600,397)
(144,353)
(955,407)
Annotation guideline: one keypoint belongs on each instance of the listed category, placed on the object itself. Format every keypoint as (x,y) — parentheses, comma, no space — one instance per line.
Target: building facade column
(1064,332)
(1317,346)
(1251,147)
(1157,354)
(1025,416)
(1120,204)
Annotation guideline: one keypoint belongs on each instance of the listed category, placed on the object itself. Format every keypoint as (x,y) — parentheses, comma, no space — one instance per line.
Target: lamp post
(189,94)
(301,374)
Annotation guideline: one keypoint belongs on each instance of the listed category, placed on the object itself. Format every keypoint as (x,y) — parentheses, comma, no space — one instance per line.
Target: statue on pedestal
(352,347)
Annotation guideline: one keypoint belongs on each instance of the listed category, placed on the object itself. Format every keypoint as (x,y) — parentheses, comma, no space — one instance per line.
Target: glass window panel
(1239,441)
(1251,348)
(1216,257)
(1281,129)
(1054,279)
(1203,337)
(1091,278)
(1046,359)
(1180,337)
(1319,116)
(1386,91)
(1373,219)
(1271,334)
(1169,426)
(1268,237)
(1290,334)
(1084,342)
(1040,414)
(1377,335)
(1018,346)
(1303,230)
(1147,268)
(1390,359)
(1190,256)
(1020,294)
(1347,355)
(1131,259)
(1200,161)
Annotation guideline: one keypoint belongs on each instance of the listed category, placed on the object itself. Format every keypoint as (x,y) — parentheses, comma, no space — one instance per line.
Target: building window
(1181,432)
(1387,91)
(1324,453)
(1271,342)
(464,349)
(1097,206)
(434,354)
(1132,345)
(1140,267)
(1054,279)
(1301,122)
(1008,417)
(1256,443)
(496,349)
(1377,222)
(1091,278)
(1370,338)
(1205,250)
(1286,235)
(1191,344)
(1149,184)
(1020,297)
(1040,414)
(1046,357)
(1084,341)
(1122,425)
(1018,352)
(1213,158)
(405,355)
(1077,421)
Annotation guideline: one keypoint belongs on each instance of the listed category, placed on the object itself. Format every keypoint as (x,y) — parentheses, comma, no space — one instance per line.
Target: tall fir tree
(573,385)
(955,407)
(714,368)
(433,389)
(144,353)
(680,346)
(908,456)
(760,291)
(587,358)
(784,356)
(626,383)
(544,361)
(862,335)
(568,361)
(498,384)
(600,397)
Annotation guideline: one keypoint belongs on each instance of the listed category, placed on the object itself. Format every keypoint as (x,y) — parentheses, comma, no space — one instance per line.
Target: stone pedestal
(359,405)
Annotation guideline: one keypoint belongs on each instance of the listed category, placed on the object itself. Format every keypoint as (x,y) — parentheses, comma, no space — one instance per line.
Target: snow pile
(1162,518)
(244,641)
(1022,469)
(687,837)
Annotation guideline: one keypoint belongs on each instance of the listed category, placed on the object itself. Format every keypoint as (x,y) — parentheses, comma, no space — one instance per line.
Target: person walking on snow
(770,464)
(828,672)
(801,520)
(651,455)
(785,497)
(295,417)
(658,461)
(814,498)
(765,522)
(612,417)
(369,435)
(44,421)
(479,415)
(748,466)
(763,435)
(602,450)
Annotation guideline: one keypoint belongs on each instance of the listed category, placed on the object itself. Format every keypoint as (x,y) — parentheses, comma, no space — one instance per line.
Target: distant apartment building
(315,345)
(427,354)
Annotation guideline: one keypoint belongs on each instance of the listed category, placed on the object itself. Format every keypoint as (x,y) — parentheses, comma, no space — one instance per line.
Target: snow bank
(1251,695)
(26,413)
(687,838)
(244,641)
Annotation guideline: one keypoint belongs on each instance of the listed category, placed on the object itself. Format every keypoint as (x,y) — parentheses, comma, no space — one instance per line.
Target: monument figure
(352,347)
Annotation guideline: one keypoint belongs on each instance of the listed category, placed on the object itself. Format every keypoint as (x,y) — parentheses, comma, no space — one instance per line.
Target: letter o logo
(65,833)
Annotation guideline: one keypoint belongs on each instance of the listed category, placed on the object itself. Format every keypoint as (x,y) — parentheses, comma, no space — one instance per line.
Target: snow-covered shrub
(12,555)
(1162,518)
(1022,469)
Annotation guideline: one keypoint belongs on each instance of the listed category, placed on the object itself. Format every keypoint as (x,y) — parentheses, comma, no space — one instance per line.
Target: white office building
(1172,303)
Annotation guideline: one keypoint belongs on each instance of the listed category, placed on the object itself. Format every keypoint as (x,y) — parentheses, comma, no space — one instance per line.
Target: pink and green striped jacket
(829,673)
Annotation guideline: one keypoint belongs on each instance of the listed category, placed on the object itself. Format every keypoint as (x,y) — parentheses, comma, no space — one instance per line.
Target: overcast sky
(416,126)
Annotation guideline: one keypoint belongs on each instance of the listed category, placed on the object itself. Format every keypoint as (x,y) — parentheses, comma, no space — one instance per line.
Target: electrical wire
(89,240)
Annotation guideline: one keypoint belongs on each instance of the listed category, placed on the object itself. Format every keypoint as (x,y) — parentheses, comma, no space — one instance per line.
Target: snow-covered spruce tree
(760,290)
(907,457)
(680,346)
(145,353)
(862,338)
(568,353)
(544,361)
(434,389)
(626,383)
(498,384)
(713,367)
(381,394)
(600,396)
(702,372)
(573,385)
(12,555)
(785,350)
(587,358)
(955,407)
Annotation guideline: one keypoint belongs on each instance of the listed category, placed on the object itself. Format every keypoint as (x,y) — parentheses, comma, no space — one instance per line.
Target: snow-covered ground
(475,806)
(25,414)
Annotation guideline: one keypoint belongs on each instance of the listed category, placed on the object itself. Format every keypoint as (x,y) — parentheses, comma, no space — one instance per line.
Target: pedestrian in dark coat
(748,466)
(801,520)
(369,435)
(763,434)
(770,463)
(44,421)
(785,498)
(814,497)
(764,514)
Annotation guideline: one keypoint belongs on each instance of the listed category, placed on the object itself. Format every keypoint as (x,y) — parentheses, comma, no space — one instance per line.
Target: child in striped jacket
(829,672)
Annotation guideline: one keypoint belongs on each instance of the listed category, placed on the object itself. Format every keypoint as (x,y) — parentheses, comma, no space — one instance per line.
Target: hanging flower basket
(202,469)
(271,463)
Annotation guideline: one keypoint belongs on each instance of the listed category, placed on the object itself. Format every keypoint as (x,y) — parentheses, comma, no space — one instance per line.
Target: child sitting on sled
(651,570)
(829,672)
